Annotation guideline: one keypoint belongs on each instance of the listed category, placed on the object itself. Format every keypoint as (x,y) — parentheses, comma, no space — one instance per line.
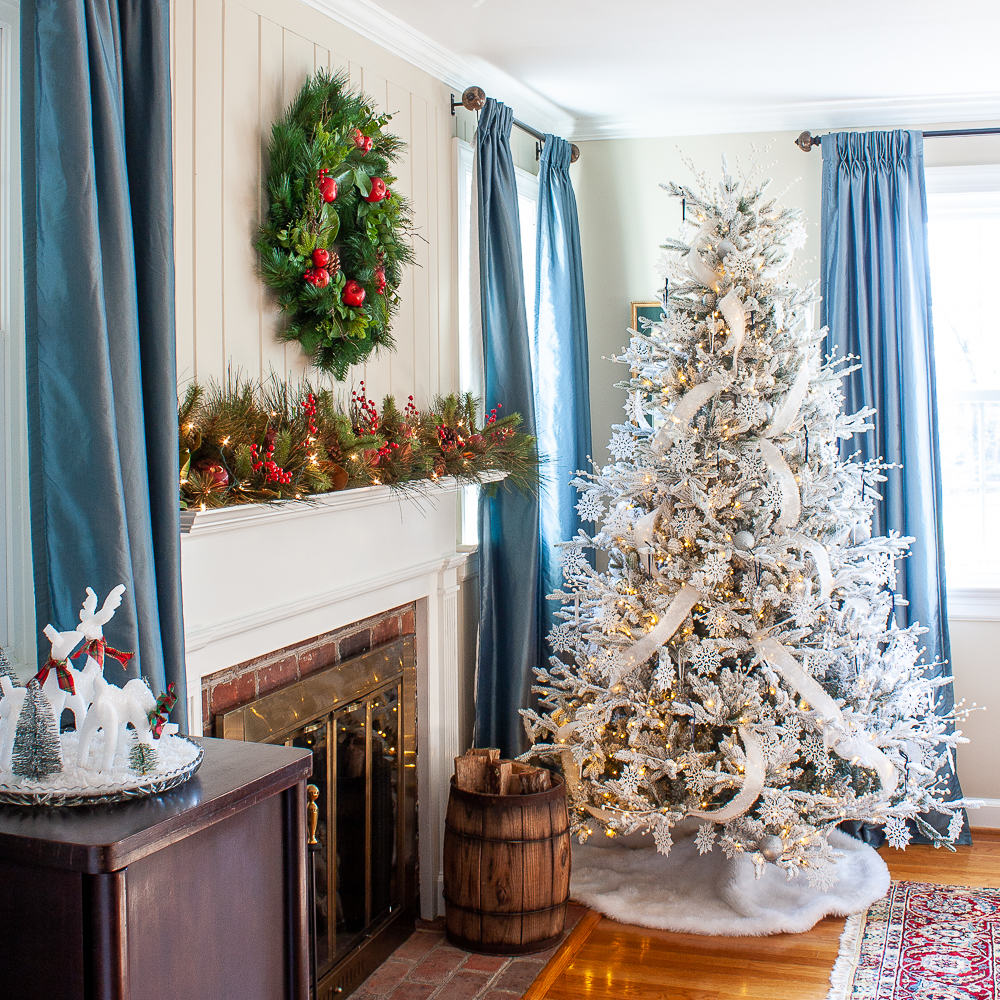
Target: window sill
(976,604)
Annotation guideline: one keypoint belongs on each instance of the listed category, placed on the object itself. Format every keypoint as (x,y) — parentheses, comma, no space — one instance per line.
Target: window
(470,346)
(964,223)
(17,603)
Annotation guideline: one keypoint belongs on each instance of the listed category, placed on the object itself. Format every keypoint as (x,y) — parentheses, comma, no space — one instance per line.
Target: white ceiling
(604,68)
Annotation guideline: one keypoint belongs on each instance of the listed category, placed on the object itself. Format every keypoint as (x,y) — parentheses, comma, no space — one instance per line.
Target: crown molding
(874,112)
(418,49)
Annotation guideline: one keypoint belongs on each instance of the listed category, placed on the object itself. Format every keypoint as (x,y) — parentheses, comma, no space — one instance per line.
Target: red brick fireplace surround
(247,681)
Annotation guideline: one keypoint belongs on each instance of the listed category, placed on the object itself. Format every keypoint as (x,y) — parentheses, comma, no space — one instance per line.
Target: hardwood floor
(606,960)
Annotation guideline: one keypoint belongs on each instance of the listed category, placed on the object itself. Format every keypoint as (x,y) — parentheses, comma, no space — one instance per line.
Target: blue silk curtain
(562,369)
(100,322)
(877,304)
(508,522)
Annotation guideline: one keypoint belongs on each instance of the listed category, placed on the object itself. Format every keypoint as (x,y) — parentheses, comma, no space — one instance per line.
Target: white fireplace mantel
(261,577)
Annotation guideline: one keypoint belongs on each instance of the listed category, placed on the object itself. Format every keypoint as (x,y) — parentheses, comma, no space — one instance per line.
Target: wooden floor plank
(615,961)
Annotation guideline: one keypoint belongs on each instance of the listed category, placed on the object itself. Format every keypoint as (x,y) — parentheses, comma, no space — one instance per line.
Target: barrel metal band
(506,913)
(503,840)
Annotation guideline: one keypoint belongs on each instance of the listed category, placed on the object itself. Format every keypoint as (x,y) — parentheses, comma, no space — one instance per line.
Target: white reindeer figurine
(112,710)
(61,684)
(10,711)
(92,624)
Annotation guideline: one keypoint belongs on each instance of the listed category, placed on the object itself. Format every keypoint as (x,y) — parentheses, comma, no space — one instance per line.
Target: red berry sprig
(365,412)
(274,472)
(309,412)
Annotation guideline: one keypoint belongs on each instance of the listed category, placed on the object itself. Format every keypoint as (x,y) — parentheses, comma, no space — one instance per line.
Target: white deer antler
(92,622)
(63,643)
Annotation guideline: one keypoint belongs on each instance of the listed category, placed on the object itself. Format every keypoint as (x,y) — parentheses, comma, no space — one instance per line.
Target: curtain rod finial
(574,152)
(473,99)
(806,141)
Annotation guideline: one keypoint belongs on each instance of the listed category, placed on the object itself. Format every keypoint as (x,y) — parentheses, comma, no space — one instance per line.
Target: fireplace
(358,717)
(275,593)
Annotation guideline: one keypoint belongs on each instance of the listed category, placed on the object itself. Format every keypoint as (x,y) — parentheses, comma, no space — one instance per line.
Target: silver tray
(152,784)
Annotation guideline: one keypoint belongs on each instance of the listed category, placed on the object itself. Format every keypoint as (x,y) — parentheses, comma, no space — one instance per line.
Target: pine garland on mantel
(246,442)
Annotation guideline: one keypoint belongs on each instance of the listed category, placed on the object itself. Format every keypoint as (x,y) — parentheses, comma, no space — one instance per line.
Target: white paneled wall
(236,66)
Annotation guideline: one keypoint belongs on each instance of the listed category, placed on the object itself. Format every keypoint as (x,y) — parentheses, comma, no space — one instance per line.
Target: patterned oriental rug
(922,942)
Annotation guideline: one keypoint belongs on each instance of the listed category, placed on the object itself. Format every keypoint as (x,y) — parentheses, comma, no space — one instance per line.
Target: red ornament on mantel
(354,294)
(320,257)
(378,191)
(216,474)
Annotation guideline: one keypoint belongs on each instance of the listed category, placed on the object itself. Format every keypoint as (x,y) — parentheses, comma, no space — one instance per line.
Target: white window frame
(17,606)
(968,603)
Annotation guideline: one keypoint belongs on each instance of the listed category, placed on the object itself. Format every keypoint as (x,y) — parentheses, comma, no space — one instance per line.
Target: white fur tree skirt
(711,894)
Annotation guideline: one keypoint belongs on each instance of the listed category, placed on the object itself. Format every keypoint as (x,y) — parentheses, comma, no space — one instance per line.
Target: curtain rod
(474,98)
(807,140)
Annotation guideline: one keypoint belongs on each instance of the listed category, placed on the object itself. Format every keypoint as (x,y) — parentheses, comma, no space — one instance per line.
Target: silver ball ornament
(861,533)
(771,847)
(724,249)
(743,540)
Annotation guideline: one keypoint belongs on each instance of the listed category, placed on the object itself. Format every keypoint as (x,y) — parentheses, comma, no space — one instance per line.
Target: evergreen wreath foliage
(321,255)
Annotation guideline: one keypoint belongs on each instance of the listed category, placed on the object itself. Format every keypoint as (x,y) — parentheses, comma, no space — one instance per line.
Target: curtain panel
(561,365)
(508,522)
(875,282)
(100,322)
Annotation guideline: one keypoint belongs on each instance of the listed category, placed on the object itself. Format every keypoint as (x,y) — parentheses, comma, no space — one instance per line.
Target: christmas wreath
(337,236)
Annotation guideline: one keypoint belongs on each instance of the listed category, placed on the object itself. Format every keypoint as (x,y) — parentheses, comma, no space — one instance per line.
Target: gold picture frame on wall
(645,310)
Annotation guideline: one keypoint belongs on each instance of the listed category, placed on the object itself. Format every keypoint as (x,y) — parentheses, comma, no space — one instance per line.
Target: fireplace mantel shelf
(199,522)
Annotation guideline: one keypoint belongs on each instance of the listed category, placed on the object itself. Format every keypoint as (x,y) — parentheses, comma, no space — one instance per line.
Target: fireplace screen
(358,719)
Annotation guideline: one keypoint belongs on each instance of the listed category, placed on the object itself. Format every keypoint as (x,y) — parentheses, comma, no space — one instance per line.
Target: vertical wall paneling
(419,289)
(183,140)
(209,191)
(241,298)
(270,102)
(237,64)
(402,366)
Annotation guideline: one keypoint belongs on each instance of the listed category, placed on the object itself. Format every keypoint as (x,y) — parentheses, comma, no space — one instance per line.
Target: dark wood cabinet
(196,894)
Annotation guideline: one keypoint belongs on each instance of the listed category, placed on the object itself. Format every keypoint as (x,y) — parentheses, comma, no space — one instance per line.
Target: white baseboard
(987,815)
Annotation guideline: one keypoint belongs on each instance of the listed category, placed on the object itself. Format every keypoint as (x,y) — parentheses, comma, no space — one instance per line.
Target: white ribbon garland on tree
(731,307)
(853,747)
(697,268)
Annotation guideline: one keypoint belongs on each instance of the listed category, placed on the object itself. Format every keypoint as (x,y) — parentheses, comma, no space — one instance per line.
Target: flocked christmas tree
(37,752)
(142,758)
(738,663)
(6,670)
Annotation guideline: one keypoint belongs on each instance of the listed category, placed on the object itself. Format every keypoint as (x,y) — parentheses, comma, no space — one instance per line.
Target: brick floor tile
(497,995)
(438,965)
(418,944)
(486,963)
(519,975)
(386,977)
(463,986)
(411,991)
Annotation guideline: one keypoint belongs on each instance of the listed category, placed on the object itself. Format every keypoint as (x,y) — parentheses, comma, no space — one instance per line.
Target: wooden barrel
(506,870)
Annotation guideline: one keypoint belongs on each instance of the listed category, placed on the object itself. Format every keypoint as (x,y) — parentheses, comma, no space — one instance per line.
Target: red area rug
(922,942)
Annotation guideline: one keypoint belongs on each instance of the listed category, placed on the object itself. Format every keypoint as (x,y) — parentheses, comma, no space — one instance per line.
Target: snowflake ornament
(590,507)
(705,838)
(897,832)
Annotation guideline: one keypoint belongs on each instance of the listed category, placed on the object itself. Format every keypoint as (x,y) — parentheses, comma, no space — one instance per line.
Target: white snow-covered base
(711,894)
(175,755)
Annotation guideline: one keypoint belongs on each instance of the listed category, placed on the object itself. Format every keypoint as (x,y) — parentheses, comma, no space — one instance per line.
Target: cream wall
(236,66)
(624,217)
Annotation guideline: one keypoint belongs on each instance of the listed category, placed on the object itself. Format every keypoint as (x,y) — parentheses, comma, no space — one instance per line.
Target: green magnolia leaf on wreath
(316,134)
(363,181)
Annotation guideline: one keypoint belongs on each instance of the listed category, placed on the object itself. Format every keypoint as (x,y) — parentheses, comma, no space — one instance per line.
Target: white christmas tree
(739,663)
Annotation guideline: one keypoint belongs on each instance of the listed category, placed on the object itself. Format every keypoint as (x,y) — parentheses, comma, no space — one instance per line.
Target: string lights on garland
(336,238)
(245,442)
